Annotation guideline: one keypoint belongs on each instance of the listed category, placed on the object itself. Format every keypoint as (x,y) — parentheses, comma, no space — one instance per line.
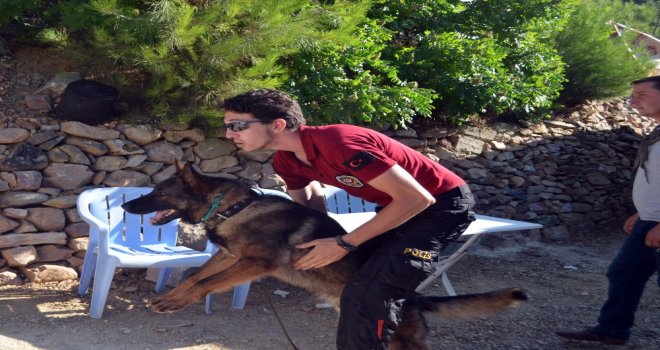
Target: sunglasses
(240,125)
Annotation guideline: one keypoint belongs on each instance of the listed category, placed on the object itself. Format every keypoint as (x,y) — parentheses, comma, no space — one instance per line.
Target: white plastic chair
(121,239)
(351,212)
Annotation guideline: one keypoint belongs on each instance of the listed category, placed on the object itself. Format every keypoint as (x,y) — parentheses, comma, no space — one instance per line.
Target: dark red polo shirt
(348,157)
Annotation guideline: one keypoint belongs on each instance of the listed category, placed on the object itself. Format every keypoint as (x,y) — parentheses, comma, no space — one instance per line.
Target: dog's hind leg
(204,282)
(410,334)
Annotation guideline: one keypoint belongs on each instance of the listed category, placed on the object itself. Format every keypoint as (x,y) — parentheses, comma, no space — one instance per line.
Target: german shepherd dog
(257,235)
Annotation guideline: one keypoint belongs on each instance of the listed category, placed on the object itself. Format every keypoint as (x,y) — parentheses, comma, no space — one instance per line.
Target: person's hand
(324,251)
(653,237)
(630,223)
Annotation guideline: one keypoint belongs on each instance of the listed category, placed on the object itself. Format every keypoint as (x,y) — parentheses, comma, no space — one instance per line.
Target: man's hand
(325,251)
(653,237)
(630,223)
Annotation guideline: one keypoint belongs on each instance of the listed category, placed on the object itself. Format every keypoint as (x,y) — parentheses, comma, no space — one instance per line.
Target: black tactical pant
(371,301)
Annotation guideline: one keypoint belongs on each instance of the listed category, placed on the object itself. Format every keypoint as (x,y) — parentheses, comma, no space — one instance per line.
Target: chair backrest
(340,202)
(124,228)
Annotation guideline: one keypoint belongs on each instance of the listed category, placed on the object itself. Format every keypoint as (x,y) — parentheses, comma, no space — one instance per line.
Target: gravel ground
(566,282)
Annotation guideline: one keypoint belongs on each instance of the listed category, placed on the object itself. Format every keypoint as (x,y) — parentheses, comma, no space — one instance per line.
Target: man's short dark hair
(654,79)
(267,105)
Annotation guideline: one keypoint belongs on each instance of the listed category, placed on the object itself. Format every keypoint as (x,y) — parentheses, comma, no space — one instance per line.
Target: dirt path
(566,282)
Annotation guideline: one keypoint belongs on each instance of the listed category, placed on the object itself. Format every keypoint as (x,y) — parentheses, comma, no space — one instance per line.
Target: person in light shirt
(639,257)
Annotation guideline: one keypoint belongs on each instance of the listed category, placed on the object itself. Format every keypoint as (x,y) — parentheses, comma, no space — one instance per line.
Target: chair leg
(89,265)
(208,304)
(447,283)
(102,280)
(240,295)
(163,277)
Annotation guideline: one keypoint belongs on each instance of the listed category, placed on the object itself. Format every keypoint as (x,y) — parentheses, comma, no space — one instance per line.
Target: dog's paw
(166,305)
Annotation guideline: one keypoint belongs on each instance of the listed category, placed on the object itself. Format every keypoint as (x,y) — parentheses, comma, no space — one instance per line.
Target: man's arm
(408,199)
(310,196)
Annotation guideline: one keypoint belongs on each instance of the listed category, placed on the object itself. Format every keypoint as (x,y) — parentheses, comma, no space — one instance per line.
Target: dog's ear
(187,173)
(180,165)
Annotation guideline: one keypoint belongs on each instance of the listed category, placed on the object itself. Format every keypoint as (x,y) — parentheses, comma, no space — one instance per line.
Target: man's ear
(279,124)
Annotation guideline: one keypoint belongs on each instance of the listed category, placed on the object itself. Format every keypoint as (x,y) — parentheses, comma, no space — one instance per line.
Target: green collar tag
(214,206)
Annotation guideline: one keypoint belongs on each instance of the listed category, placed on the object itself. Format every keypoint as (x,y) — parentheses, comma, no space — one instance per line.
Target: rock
(10,278)
(67,176)
(79,243)
(20,256)
(47,219)
(74,154)
(163,152)
(123,147)
(55,87)
(13,135)
(49,273)
(251,171)
(62,202)
(51,253)
(598,179)
(216,164)
(77,229)
(24,157)
(121,178)
(469,145)
(87,131)
(259,156)
(7,224)
(110,163)
(21,199)
(214,148)
(38,102)
(141,134)
(90,146)
(165,174)
(27,181)
(175,136)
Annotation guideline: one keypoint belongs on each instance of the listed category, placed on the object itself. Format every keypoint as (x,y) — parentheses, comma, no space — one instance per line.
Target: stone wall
(571,173)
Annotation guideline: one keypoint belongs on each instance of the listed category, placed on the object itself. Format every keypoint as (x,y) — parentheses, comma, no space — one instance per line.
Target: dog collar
(233,209)
(227,213)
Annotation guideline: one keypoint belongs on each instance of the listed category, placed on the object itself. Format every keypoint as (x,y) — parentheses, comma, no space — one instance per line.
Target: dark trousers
(372,299)
(627,275)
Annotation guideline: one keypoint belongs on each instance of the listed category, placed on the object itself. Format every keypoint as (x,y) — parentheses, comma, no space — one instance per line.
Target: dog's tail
(470,306)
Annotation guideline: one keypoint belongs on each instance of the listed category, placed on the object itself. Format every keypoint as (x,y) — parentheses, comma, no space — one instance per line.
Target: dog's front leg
(204,282)
(218,263)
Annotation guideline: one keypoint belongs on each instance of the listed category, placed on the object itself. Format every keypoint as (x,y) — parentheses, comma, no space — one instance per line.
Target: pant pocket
(407,271)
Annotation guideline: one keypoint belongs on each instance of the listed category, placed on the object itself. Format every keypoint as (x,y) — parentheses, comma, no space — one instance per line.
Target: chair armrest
(86,215)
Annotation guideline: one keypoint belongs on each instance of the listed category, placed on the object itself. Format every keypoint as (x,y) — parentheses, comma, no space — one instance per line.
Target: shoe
(589,335)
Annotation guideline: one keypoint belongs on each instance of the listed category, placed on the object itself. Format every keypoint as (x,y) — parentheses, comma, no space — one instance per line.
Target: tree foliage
(352,84)
(598,66)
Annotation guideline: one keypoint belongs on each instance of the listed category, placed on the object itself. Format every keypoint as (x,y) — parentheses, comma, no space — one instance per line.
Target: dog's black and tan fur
(260,241)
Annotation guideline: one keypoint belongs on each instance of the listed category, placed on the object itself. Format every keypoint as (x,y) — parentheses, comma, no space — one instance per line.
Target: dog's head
(182,196)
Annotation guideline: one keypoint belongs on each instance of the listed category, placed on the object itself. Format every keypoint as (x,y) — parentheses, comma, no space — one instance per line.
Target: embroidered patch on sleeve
(359,161)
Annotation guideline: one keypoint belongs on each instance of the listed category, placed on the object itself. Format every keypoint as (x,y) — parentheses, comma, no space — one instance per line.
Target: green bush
(351,84)
(197,56)
(483,57)
(597,65)
(39,19)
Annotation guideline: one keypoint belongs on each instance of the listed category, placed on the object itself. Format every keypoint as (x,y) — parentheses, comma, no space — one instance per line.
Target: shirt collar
(306,140)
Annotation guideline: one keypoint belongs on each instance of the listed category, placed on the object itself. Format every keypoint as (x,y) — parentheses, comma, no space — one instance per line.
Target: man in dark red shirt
(424,206)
